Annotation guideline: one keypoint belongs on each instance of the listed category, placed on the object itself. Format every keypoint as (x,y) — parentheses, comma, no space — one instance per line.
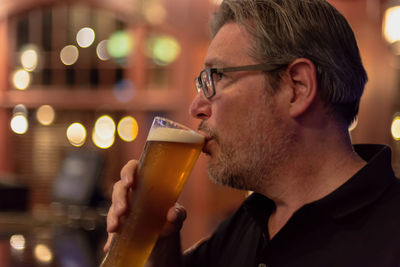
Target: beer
(166,162)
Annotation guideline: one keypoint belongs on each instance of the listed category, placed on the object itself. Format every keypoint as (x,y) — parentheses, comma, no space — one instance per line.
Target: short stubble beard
(251,164)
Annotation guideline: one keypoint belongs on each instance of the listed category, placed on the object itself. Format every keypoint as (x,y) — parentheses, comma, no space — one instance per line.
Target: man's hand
(175,216)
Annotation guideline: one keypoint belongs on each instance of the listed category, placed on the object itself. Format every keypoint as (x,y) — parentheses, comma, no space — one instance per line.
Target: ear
(303,83)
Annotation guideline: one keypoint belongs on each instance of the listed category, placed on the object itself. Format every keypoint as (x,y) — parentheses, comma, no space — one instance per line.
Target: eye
(218,76)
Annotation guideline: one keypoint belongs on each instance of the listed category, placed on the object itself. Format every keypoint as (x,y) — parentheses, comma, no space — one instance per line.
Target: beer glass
(169,155)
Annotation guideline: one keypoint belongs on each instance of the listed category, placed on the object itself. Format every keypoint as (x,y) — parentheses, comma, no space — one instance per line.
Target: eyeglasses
(205,81)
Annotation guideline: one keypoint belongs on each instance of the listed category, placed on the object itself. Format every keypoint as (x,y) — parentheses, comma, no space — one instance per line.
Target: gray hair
(284,30)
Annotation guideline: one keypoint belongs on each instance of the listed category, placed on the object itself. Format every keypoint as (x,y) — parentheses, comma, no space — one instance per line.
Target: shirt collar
(361,190)
(259,207)
(367,185)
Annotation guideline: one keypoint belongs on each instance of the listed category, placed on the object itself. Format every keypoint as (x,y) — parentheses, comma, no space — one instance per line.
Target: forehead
(230,47)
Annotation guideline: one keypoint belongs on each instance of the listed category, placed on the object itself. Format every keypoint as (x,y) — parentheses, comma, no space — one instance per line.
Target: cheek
(229,118)
(239,111)
(236,123)
(236,103)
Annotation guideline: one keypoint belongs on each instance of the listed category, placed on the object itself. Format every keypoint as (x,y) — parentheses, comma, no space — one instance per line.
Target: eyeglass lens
(207,83)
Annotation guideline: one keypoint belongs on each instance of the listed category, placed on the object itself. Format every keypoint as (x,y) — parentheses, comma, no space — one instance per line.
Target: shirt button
(262,265)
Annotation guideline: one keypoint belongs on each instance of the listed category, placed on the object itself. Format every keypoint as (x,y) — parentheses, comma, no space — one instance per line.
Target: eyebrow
(214,62)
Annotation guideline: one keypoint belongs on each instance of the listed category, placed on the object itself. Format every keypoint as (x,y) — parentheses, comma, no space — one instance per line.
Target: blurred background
(80,82)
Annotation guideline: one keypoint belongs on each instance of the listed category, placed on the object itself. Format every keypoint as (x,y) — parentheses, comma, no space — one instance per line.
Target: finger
(176,213)
(119,198)
(120,193)
(108,243)
(127,173)
(175,218)
(112,220)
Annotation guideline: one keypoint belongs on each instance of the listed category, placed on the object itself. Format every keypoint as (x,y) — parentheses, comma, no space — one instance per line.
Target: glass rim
(168,123)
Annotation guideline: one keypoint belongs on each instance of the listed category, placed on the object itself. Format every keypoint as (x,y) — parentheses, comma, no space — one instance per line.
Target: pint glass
(169,155)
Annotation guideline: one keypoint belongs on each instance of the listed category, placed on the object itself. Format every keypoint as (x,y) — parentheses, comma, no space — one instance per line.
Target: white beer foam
(174,135)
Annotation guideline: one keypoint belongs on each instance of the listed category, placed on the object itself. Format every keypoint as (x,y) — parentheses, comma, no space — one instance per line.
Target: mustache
(203,127)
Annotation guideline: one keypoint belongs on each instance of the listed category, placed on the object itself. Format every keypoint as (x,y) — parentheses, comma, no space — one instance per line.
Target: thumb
(175,217)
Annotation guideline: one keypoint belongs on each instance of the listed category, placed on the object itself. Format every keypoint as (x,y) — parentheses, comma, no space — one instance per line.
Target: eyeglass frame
(199,84)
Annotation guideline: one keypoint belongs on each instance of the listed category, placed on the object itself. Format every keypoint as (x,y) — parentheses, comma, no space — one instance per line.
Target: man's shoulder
(385,211)
(391,196)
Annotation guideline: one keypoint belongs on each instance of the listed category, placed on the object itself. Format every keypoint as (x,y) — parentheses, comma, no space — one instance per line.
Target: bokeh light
(105,126)
(85,37)
(21,79)
(43,253)
(128,128)
(69,55)
(391,22)
(29,58)
(20,109)
(76,134)
(102,142)
(155,13)
(120,44)
(101,50)
(124,90)
(395,128)
(163,49)
(45,115)
(19,124)
(104,132)
(17,242)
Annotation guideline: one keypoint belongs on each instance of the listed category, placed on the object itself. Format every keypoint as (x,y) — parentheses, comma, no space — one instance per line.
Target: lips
(204,130)
(206,148)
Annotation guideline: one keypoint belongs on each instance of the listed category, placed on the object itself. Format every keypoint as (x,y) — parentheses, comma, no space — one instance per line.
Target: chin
(227,179)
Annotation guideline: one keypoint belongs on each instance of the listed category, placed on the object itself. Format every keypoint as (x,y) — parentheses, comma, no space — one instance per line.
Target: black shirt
(356,225)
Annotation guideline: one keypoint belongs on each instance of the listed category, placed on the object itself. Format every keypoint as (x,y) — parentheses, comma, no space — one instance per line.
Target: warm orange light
(128,129)
(391,24)
(395,128)
(76,134)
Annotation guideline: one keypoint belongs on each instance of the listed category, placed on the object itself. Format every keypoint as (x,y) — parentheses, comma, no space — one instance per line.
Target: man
(282,82)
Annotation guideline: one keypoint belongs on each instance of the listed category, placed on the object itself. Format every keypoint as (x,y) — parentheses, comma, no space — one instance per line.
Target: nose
(200,107)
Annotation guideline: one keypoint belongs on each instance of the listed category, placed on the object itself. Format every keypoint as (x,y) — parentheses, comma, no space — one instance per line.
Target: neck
(306,177)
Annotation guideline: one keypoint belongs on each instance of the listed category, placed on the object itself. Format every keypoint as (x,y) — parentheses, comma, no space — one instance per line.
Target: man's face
(244,122)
